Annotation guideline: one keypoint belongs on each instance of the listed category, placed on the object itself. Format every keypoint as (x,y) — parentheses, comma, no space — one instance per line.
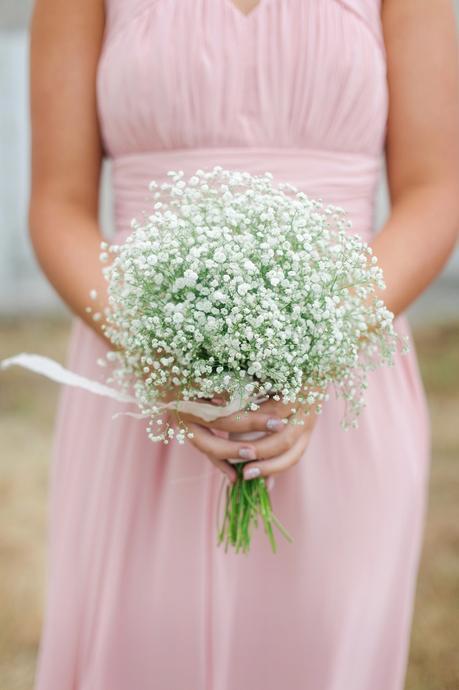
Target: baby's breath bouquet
(234,285)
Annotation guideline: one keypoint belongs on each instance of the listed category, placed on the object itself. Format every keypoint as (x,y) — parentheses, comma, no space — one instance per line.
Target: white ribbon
(56,372)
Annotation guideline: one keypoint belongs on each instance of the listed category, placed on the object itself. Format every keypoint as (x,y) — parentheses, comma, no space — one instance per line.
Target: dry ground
(27,405)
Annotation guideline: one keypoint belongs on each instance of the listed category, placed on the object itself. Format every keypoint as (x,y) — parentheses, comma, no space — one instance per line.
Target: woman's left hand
(279,450)
(282,446)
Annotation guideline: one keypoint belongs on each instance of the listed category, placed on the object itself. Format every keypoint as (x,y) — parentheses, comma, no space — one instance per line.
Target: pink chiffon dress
(139,596)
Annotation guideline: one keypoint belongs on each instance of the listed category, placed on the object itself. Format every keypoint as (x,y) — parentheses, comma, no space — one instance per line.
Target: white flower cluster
(236,285)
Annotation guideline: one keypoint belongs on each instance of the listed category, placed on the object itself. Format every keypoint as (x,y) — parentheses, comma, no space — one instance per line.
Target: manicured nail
(274,424)
(247,453)
(252,472)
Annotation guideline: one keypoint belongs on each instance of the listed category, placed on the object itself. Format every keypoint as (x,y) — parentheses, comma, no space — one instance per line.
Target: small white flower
(190,277)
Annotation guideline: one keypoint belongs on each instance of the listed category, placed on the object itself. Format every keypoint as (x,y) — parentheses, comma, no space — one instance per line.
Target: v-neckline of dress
(250,15)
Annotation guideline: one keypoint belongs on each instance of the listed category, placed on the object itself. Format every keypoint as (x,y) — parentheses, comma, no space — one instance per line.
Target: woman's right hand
(211,438)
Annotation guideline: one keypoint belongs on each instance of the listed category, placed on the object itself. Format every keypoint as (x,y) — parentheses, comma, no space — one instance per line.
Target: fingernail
(247,453)
(252,472)
(274,424)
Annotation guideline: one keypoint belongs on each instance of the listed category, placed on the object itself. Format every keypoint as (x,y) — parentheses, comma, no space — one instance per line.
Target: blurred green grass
(27,408)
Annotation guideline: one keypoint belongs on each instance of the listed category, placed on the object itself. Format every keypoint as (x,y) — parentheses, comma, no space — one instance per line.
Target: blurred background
(33,319)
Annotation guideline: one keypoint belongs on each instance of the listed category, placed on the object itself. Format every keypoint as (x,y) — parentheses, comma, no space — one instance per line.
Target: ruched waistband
(345,179)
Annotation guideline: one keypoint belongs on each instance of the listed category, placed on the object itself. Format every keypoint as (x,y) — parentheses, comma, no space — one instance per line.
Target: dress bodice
(198,73)
(297,87)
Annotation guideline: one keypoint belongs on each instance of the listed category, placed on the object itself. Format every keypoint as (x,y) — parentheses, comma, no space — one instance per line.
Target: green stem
(245,502)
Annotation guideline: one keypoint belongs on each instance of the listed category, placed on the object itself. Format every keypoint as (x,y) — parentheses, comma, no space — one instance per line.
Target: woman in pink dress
(139,596)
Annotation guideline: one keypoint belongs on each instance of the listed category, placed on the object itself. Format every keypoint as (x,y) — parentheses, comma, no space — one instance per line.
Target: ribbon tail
(56,372)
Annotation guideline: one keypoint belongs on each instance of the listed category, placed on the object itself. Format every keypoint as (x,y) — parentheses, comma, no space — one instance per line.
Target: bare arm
(66,149)
(422,146)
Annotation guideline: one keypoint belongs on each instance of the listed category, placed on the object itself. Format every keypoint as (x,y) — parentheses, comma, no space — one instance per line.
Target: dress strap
(369,13)
(121,12)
